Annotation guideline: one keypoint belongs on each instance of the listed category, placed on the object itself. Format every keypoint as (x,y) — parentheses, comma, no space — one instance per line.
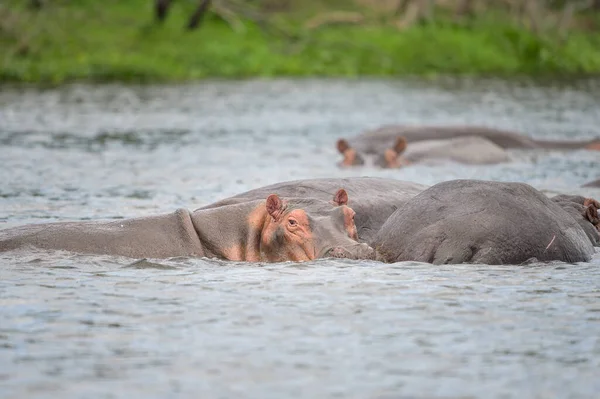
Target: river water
(82,326)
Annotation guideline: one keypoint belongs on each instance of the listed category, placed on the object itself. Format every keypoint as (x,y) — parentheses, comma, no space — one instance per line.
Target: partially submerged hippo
(396,146)
(378,202)
(594,183)
(271,230)
(373,199)
(452,222)
(467,150)
(471,221)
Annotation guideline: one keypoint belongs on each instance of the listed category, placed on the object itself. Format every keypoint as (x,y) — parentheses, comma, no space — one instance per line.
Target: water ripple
(84,326)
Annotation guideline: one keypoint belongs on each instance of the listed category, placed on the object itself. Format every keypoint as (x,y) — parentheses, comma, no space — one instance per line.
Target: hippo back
(159,236)
(595,183)
(470,221)
(471,150)
(376,141)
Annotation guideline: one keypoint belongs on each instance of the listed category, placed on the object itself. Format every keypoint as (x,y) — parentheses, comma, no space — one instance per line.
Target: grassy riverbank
(119,41)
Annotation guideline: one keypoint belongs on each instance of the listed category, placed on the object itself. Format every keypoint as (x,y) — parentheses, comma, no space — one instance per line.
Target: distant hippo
(471,221)
(396,146)
(373,199)
(594,183)
(271,230)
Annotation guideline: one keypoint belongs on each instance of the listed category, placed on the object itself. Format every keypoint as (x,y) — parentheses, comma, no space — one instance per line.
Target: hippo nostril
(360,251)
(337,252)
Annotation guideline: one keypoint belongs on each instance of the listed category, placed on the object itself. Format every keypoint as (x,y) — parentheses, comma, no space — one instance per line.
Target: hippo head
(585,211)
(389,158)
(306,229)
(351,156)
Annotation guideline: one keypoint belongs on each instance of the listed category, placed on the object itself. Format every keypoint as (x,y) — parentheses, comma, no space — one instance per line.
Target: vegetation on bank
(119,40)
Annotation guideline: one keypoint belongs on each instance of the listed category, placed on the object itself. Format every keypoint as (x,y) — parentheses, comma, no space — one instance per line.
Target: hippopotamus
(376,200)
(274,229)
(452,222)
(487,222)
(467,150)
(373,199)
(594,183)
(396,145)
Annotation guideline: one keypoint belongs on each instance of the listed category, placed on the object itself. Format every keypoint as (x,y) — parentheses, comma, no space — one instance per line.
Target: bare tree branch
(161,8)
(196,17)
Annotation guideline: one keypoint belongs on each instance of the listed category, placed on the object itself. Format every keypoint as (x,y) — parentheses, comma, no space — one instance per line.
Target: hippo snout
(358,251)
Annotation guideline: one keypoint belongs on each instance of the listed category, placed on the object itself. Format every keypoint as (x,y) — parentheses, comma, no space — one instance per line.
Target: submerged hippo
(387,146)
(378,202)
(452,222)
(594,183)
(271,230)
(471,150)
(471,221)
(373,199)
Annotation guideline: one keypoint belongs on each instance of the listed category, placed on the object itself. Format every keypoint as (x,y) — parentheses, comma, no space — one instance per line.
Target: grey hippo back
(469,221)
(373,199)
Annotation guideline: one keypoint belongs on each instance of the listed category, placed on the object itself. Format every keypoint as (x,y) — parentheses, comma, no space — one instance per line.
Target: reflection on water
(85,326)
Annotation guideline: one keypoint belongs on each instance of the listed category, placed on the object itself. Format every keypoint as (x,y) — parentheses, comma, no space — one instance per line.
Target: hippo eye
(292,222)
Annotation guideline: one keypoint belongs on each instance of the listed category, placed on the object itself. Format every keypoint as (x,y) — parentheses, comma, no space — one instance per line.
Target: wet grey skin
(470,150)
(462,144)
(328,229)
(594,183)
(222,232)
(486,222)
(459,221)
(373,199)
(384,136)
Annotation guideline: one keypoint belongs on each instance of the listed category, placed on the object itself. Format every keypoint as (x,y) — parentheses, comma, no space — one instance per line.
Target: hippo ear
(342,146)
(275,206)
(341,197)
(400,145)
(590,211)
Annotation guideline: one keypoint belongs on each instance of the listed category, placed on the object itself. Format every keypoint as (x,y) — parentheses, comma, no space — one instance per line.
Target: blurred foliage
(53,41)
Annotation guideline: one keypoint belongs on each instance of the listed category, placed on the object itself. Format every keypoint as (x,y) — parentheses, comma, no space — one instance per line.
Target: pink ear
(342,145)
(400,145)
(341,197)
(274,206)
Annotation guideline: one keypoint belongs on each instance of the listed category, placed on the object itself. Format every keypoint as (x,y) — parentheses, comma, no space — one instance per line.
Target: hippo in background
(594,184)
(396,146)
(487,222)
(271,230)
(471,150)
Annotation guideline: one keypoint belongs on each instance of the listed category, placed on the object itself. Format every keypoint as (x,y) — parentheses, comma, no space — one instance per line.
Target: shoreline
(123,44)
(451,81)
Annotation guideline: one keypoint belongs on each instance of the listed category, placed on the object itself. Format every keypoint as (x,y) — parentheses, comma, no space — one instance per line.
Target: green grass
(118,41)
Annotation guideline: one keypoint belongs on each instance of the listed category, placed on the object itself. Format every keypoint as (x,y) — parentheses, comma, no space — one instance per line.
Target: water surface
(97,326)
